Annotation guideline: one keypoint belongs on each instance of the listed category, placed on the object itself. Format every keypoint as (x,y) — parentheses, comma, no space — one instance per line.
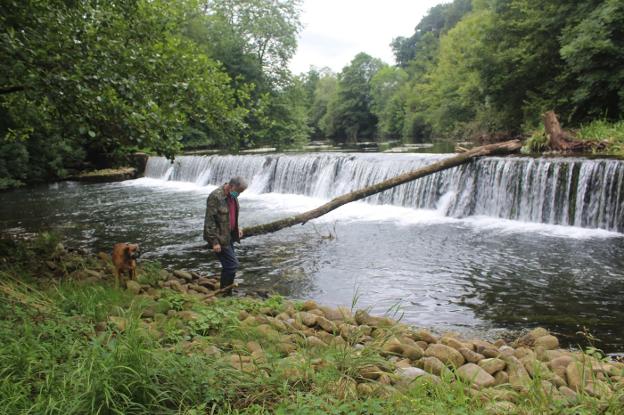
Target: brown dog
(124,259)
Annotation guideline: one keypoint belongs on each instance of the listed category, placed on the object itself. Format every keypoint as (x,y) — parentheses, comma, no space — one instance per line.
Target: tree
(349,115)
(99,79)
(388,101)
(268,28)
(593,51)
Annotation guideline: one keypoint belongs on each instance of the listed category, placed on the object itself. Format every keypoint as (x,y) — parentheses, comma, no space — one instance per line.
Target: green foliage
(93,81)
(348,116)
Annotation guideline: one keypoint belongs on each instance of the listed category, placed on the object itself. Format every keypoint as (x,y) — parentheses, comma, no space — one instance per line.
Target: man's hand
(240,233)
(216,248)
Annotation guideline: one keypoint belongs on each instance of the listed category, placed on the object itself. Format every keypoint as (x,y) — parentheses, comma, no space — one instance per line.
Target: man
(221,227)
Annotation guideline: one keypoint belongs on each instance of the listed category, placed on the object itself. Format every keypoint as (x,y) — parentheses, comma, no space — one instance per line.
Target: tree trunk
(562,140)
(558,139)
(447,163)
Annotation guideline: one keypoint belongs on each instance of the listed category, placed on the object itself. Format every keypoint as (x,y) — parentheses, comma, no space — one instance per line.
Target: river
(500,244)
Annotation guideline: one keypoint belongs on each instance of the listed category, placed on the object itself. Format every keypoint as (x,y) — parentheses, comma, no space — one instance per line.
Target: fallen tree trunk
(506,147)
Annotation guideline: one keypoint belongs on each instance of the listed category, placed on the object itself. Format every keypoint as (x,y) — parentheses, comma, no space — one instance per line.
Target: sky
(336,30)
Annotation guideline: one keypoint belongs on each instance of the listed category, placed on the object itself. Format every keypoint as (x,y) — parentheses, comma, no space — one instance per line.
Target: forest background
(85,83)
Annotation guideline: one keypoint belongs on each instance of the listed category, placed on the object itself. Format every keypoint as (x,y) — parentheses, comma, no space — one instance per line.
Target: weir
(563,191)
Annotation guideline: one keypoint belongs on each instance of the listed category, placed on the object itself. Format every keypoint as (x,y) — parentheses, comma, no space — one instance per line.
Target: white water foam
(290,204)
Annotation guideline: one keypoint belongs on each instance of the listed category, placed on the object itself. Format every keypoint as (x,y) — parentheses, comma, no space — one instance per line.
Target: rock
(332,314)
(100,326)
(188,315)
(403,363)
(286,348)
(500,408)
(412,352)
(445,354)
(506,350)
(529,338)
(51,265)
(120,323)
(522,352)
(177,286)
(501,378)
(474,374)
(94,274)
(185,275)
(452,342)
(548,342)
(549,355)
(392,347)
(309,305)
(307,319)
(422,335)
(207,283)
(283,316)
(314,341)
(253,346)
(470,356)
(370,372)
(365,390)
(434,366)
(408,373)
(518,376)
(492,365)
(363,318)
(149,312)
(267,331)
(560,364)
(598,389)
(133,286)
(577,375)
(567,393)
(325,324)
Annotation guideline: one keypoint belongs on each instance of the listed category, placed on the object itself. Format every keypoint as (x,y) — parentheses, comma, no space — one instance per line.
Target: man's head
(236,186)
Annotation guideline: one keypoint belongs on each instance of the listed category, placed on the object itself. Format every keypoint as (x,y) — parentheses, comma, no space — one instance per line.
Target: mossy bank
(74,343)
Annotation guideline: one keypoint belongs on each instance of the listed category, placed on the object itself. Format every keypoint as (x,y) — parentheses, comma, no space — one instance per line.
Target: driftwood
(562,140)
(447,163)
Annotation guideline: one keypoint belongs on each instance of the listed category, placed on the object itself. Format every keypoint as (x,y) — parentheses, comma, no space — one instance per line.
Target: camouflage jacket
(217,220)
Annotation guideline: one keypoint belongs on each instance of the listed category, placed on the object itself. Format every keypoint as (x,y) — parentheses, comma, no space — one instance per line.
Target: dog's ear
(127,252)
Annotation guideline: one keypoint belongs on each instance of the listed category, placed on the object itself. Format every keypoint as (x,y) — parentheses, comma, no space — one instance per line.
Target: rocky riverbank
(335,354)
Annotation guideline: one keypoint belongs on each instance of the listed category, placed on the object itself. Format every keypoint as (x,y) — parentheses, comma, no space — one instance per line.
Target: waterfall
(563,191)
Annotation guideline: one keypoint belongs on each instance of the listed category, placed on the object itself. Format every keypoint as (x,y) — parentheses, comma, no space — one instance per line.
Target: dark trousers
(229,264)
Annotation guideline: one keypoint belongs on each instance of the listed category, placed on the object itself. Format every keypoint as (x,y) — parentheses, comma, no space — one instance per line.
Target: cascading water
(563,191)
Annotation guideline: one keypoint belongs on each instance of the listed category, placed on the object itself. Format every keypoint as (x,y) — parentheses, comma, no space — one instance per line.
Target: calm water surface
(475,276)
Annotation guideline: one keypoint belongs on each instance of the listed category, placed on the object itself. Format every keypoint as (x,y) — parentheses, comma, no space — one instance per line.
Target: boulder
(370,372)
(492,365)
(133,286)
(434,366)
(475,375)
(325,324)
(529,338)
(306,318)
(185,275)
(501,378)
(309,305)
(412,352)
(470,356)
(422,335)
(408,374)
(445,354)
(577,375)
(548,342)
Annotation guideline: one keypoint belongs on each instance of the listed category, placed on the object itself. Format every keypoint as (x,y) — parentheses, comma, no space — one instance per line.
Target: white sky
(336,30)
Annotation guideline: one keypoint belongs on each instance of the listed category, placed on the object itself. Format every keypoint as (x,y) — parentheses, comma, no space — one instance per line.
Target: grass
(612,133)
(77,347)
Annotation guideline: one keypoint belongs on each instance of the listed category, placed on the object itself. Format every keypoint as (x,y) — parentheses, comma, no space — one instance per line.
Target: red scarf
(232,210)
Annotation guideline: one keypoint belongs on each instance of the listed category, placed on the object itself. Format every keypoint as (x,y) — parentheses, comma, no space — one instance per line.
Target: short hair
(238,182)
